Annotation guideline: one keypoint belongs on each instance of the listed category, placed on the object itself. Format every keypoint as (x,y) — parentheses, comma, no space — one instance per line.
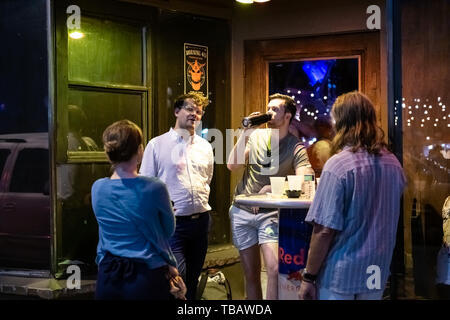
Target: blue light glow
(317,70)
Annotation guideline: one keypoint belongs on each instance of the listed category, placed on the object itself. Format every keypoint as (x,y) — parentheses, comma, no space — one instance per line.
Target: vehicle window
(4,153)
(31,171)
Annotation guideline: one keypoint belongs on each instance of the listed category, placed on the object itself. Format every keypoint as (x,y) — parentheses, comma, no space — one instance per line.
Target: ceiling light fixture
(76,35)
(251,1)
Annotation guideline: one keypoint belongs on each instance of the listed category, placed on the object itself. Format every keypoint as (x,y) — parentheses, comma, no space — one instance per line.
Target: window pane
(31,171)
(314,85)
(79,230)
(90,112)
(426,146)
(108,52)
(3,156)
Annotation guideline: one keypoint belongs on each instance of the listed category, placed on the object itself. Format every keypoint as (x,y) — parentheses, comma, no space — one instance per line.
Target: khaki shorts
(249,229)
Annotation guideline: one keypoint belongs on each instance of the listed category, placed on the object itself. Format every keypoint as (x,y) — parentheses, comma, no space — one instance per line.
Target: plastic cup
(295,182)
(277,185)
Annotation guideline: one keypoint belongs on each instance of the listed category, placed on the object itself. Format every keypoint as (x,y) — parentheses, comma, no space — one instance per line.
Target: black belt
(194,216)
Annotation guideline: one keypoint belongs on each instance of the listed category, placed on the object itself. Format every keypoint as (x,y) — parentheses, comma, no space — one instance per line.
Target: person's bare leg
(251,262)
(270,255)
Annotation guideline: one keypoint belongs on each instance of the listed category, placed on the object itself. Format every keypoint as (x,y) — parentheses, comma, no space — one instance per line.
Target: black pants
(189,245)
(122,278)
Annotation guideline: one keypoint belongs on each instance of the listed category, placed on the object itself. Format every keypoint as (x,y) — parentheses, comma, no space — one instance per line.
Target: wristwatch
(308,277)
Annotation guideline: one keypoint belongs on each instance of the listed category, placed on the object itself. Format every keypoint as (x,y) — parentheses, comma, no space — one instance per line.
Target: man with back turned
(355,210)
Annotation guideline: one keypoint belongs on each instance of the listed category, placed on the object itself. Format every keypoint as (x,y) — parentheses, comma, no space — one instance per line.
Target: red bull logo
(297,259)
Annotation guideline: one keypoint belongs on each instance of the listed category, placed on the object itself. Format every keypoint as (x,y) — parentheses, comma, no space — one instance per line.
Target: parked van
(25,237)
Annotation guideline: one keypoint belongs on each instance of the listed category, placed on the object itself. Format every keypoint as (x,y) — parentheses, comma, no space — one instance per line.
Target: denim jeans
(189,245)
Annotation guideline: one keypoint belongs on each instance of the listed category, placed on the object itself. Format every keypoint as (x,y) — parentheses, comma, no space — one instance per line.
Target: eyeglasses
(190,109)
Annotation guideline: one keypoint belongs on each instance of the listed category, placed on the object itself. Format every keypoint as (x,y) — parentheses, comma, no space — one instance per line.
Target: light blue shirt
(135,219)
(359,196)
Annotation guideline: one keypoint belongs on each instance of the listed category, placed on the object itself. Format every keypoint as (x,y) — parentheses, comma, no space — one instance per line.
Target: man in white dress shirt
(184,161)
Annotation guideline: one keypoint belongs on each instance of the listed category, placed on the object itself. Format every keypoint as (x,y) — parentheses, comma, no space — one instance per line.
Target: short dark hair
(289,104)
(121,141)
(198,97)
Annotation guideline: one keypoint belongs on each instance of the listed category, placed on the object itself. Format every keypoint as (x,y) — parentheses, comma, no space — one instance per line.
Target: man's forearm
(318,250)
(239,148)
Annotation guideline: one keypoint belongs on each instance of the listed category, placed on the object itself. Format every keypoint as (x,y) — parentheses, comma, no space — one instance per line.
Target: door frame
(259,53)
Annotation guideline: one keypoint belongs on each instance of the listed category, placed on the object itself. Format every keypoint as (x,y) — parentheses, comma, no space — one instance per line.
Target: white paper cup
(295,182)
(277,185)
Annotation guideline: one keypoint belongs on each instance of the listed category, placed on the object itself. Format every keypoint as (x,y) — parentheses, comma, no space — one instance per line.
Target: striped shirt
(359,196)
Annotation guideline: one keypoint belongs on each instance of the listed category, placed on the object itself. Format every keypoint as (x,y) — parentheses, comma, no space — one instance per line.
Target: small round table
(294,235)
(271,201)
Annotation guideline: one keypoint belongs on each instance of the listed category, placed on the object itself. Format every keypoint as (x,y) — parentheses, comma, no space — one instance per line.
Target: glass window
(4,153)
(78,236)
(107,52)
(426,147)
(31,171)
(314,85)
(90,112)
